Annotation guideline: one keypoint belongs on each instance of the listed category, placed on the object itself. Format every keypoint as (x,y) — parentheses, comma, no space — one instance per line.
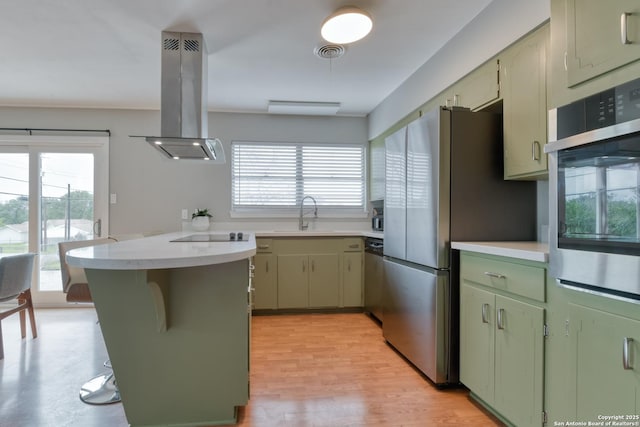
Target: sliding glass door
(52,189)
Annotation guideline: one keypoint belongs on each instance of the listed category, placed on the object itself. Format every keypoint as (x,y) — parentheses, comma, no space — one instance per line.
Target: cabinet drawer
(352,244)
(264,245)
(525,280)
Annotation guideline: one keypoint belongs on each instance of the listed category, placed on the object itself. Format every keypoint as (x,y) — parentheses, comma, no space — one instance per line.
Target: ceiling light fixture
(346,25)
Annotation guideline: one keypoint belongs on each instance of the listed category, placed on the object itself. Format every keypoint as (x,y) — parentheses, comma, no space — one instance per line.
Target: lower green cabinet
(324,281)
(265,282)
(477,332)
(519,361)
(352,279)
(294,273)
(605,379)
(502,338)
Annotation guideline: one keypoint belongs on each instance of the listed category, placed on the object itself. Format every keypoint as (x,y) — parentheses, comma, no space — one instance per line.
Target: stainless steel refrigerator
(444,182)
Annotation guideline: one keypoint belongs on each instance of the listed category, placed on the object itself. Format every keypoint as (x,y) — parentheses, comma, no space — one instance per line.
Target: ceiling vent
(329,51)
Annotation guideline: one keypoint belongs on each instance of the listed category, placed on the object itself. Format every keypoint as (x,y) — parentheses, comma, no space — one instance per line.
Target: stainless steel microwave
(594,189)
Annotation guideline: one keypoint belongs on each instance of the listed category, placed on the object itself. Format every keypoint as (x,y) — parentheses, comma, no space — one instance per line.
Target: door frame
(34,145)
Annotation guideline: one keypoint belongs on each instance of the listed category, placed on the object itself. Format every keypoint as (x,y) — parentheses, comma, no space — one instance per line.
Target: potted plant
(200,219)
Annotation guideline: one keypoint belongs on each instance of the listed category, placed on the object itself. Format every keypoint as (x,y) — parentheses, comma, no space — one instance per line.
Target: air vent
(329,51)
(171,44)
(191,45)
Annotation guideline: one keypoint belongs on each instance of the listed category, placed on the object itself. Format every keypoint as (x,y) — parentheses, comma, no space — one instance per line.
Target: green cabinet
(293,281)
(314,272)
(352,295)
(265,290)
(604,354)
(601,36)
(478,88)
(502,336)
(265,276)
(308,281)
(324,281)
(477,332)
(523,79)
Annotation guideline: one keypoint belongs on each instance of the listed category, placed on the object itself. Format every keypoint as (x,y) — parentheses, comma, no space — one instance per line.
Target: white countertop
(320,233)
(531,251)
(159,252)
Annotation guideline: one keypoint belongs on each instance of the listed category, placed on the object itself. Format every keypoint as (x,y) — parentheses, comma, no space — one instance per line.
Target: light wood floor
(306,370)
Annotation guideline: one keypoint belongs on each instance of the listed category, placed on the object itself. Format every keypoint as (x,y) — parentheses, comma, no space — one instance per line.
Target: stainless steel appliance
(594,189)
(374,278)
(377,221)
(444,182)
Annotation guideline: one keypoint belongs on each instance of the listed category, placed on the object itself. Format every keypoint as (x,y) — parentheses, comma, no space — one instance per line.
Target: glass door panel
(66,209)
(14,203)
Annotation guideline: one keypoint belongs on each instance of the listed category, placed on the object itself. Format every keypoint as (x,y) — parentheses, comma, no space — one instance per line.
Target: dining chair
(102,389)
(16,275)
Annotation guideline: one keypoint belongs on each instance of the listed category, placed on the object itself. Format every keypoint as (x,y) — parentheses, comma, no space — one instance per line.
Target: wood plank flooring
(306,370)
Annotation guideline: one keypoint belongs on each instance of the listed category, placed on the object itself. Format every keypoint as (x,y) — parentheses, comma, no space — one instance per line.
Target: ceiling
(106,53)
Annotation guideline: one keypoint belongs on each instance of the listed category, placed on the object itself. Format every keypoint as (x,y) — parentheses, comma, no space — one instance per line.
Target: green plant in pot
(200,219)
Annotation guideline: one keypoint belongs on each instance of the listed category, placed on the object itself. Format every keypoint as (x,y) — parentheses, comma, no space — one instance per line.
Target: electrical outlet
(113,198)
(185,214)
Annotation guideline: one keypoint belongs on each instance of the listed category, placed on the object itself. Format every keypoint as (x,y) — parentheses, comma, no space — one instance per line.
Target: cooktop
(231,237)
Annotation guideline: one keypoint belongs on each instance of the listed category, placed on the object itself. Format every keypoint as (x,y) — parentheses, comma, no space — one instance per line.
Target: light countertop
(158,252)
(320,233)
(531,251)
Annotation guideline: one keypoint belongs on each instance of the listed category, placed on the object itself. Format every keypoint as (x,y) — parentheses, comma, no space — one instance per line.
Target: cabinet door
(324,280)
(477,328)
(519,361)
(265,294)
(293,282)
(594,37)
(525,107)
(479,88)
(602,384)
(352,279)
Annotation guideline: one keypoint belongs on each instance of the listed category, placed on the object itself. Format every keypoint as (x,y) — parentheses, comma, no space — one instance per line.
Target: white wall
(500,24)
(152,190)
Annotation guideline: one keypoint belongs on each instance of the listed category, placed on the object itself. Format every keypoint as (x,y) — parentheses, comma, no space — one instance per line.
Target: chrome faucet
(301,224)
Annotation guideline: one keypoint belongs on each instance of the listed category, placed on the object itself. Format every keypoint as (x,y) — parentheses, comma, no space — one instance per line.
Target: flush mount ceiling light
(346,25)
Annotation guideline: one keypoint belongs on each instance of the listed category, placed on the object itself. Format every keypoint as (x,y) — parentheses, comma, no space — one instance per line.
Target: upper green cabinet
(523,79)
(479,88)
(601,36)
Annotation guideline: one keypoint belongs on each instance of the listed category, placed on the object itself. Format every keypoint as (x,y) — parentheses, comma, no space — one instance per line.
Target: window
(274,177)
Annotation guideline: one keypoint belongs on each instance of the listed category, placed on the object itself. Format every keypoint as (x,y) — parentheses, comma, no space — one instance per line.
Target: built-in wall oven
(594,187)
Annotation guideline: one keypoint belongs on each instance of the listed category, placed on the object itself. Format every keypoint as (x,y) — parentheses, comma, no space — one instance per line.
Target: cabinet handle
(313,266)
(354,246)
(267,267)
(495,275)
(624,20)
(535,151)
(565,61)
(626,353)
(304,266)
(501,318)
(349,266)
(485,309)
(263,246)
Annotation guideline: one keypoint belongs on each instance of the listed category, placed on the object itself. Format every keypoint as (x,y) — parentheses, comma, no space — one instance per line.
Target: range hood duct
(184,101)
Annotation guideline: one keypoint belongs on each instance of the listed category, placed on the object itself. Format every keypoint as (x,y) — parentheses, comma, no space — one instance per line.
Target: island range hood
(183,133)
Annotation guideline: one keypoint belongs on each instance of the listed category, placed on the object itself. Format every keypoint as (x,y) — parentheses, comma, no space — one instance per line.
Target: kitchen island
(175,320)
